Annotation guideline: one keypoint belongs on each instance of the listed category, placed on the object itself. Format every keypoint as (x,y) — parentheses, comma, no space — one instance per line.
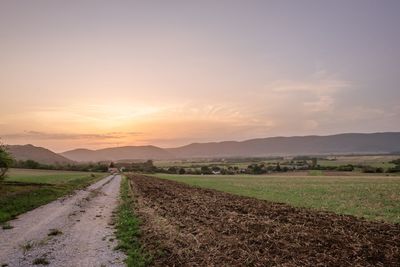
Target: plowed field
(188,226)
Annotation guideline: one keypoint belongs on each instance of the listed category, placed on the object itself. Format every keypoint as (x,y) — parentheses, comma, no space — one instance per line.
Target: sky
(95,74)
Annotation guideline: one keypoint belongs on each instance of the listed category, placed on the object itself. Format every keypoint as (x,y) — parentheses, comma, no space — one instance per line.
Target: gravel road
(72,231)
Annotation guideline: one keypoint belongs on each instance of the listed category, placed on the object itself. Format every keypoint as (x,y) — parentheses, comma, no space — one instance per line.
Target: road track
(82,228)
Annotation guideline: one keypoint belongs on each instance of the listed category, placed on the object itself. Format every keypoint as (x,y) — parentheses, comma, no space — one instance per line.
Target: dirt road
(200,227)
(73,231)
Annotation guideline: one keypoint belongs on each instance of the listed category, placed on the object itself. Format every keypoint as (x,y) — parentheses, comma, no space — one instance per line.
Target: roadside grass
(128,230)
(25,190)
(371,197)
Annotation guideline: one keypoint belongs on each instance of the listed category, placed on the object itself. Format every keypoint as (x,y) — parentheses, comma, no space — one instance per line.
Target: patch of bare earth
(187,226)
(72,231)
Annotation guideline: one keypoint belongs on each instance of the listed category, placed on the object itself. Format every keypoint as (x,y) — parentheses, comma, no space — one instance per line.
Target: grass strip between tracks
(128,230)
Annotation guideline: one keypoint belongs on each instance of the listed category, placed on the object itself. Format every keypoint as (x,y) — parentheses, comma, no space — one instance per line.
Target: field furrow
(188,226)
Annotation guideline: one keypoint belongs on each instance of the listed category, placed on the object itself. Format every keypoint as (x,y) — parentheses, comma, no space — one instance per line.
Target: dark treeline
(297,164)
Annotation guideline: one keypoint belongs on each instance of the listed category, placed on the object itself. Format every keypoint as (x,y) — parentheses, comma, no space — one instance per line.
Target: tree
(314,162)
(31,164)
(278,167)
(5,161)
(205,170)
(172,170)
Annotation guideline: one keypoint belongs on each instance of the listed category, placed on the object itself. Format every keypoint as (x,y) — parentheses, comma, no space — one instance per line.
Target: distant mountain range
(373,143)
(298,145)
(272,146)
(39,154)
(118,153)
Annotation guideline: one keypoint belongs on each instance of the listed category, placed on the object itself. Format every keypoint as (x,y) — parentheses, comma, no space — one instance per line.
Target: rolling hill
(39,154)
(118,153)
(273,146)
(298,145)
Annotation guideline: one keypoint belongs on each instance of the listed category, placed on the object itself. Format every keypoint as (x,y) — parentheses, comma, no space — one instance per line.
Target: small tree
(5,161)
(205,170)
(314,162)
(278,167)
(172,170)
(182,171)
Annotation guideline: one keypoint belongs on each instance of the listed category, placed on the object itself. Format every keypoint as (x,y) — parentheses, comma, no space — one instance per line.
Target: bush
(345,168)
(394,169)
(5,161)
(369,169)
(172,170)
(205,170)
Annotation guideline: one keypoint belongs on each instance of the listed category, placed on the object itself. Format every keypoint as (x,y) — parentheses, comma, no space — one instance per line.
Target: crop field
(184,225)
(370,196)
(26,189)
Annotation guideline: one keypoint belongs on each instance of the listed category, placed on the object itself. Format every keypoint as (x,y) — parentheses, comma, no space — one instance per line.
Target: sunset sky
(97,74)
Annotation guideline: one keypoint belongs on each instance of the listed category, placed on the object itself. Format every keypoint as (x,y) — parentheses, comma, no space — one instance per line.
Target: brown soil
(187,226)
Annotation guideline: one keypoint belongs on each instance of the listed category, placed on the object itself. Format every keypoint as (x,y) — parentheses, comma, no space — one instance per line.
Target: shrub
(5,161)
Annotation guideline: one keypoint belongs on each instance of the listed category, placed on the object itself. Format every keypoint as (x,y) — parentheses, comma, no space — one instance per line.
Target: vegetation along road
(71,231)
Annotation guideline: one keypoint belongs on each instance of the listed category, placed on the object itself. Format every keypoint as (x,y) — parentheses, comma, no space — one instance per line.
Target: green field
(377,161)
(372,197)
(25,189)
(45,176)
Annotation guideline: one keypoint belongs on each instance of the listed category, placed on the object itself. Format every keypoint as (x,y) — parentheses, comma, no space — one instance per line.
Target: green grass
(128,230)
(377,161)
(25,189)
(372,197)
(45,176)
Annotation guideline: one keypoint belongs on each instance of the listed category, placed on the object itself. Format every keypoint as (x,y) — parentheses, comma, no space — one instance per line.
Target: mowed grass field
(371,197)
(46,176)
(26,189)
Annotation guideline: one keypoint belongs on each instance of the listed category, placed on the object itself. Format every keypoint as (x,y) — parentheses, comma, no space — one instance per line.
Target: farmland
(26,189)
(370,196)
(191,226)
(373,160)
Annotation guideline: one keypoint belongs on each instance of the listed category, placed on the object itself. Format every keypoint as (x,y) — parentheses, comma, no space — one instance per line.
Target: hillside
(39,154)
(299,145)
(273,146)
(118,153)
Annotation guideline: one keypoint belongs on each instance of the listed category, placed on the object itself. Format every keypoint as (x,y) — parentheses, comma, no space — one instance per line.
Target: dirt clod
(54,232)
(40,261)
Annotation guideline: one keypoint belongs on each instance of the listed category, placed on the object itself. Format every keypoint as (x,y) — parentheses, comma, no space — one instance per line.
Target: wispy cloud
(320,82)
(35,135)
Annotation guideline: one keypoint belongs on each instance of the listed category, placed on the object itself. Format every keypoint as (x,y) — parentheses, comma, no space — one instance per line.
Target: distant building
(112,170)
